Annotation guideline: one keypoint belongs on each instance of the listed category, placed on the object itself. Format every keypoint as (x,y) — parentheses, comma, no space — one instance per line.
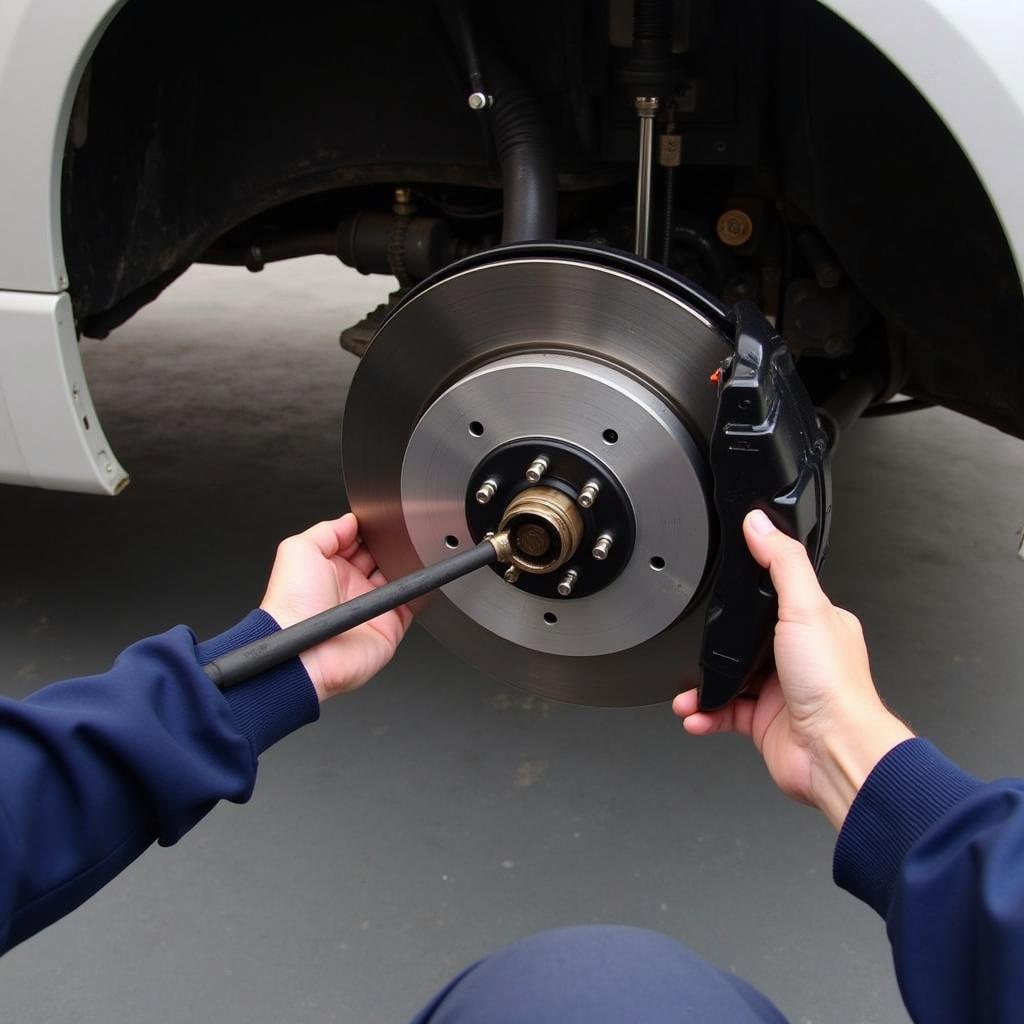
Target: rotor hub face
(607,524)
(582,403)
(547,355)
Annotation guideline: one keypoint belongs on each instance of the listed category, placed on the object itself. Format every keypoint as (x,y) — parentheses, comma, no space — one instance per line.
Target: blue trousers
(597,975)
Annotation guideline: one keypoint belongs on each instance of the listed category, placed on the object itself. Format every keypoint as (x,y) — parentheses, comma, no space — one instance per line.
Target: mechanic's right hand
(316,570)
(817,719)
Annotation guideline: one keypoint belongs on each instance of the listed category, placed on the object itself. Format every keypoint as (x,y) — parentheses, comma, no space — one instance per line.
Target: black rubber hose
(846,405)
(528,176)
(261,655)
(460,31)
(695,237)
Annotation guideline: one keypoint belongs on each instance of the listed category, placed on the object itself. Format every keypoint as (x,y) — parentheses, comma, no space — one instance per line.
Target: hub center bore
(545,529)
(532,541)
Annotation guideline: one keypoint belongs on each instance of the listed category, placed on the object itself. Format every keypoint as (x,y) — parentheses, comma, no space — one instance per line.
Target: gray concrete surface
(437,815)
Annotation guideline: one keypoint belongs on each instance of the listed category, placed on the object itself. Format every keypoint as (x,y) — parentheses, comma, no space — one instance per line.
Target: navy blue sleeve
(95,769)
(940,855)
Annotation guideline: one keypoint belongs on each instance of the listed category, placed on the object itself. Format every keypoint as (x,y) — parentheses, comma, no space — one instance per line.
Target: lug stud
(487,490)
(567,583)
(511,574)
(589,493)
(602,546)
(537,469)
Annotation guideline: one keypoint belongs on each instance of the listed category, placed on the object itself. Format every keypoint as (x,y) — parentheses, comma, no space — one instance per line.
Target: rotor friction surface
(458,324)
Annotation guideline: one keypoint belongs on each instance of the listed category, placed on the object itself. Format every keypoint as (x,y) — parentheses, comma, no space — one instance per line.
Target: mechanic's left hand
(316,570)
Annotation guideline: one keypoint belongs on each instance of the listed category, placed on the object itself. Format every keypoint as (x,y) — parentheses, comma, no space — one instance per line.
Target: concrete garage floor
(437,815)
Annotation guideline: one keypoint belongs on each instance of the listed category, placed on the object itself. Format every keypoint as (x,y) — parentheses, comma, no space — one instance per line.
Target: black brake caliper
(769,452)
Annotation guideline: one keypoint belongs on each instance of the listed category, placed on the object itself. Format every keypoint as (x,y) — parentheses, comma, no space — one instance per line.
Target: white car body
(962,55)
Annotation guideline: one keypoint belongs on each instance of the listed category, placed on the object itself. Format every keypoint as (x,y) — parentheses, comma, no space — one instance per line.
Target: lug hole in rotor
(610,436)
(657,563)
(550,618)
(451,541)
(476,428)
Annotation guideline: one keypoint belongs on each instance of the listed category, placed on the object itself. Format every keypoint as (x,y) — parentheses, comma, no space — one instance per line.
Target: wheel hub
(604,511)
(568,402)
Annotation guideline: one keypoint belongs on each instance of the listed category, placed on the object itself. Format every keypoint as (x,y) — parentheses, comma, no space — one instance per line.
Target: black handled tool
(767,452)
(246,662)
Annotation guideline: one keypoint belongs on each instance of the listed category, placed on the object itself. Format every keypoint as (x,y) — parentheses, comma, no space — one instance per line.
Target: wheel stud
(588,495)
(487,490)
(537,469)
(602,546)
(567,583)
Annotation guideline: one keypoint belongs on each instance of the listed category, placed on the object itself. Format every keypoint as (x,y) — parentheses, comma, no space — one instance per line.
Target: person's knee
(594,974)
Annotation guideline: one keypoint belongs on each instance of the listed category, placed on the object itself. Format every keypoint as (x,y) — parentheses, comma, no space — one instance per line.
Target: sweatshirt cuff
(907,792)
(272,704)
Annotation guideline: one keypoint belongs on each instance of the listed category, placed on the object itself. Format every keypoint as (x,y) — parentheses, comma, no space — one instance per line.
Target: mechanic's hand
(315,571)
(817,719)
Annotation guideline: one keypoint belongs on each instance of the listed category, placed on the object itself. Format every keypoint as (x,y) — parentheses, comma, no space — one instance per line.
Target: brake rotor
(569,369)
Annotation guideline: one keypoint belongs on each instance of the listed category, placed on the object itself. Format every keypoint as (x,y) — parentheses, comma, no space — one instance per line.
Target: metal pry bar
(261,655)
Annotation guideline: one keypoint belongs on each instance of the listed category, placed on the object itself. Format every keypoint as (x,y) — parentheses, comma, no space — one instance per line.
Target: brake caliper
(768,451)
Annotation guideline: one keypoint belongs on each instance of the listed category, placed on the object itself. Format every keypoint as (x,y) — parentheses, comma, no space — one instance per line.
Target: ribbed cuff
(272,704)
(907,792)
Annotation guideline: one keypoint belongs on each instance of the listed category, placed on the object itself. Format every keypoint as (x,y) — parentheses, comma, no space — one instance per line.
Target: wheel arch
(45,46)
(989,77)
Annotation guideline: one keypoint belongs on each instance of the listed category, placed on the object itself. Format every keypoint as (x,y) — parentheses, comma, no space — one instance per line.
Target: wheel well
(195,121)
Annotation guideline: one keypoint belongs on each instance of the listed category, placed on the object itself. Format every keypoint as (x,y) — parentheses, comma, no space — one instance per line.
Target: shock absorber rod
(646,111)
(237,666)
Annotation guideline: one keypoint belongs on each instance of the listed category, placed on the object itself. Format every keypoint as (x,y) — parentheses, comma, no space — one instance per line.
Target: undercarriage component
(407,247)
(599,364)
(824,321)
(356,339)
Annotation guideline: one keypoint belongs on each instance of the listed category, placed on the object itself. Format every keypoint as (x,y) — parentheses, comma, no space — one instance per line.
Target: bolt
(588,494)
(602,546)
(537,469)
(511,574)
(479,100)
(487,490)
(567,582)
